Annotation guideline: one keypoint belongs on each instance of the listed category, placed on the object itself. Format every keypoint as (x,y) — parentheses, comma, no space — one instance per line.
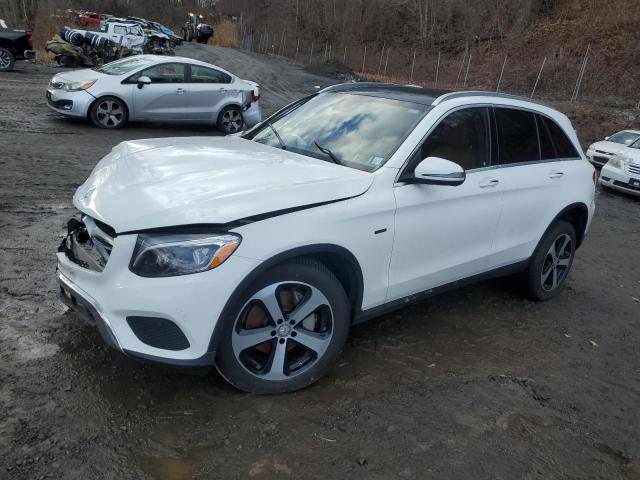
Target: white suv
(257,253)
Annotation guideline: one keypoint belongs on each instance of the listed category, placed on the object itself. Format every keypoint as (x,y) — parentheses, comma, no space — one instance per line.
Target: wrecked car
(156,88)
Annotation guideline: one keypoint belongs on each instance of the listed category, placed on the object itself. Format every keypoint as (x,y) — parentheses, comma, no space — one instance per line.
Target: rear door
(445,233)
(166,97)
(209,90)
(536,161)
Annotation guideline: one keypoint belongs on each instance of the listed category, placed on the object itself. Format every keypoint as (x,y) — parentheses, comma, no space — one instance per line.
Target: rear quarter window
(563,146)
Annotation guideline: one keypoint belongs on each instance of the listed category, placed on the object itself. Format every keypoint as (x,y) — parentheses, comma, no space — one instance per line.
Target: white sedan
(156,88)
(601,152)
(622,172)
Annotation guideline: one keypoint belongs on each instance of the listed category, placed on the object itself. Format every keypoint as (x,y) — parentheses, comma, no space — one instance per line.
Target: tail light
(30,39)
(255,97)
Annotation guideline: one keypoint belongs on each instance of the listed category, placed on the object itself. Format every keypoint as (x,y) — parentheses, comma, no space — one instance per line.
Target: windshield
(124,66)
(355,130)
(624,137)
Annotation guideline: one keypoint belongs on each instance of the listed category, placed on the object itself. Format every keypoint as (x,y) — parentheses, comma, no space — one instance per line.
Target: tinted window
(461,137)
(517,136)
(208,75)
(165,73)
(547,150)
(564,147)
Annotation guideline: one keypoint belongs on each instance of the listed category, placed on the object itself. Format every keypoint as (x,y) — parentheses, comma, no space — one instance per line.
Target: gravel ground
(476,383)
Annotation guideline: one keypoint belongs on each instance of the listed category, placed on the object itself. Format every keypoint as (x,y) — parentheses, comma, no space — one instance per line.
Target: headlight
(168,255)
(616,162)
(77,86)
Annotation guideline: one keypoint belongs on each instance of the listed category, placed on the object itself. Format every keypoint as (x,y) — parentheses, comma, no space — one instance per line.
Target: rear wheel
(550,262)
(286,331)
(230,120)
(109,112)
(7,60)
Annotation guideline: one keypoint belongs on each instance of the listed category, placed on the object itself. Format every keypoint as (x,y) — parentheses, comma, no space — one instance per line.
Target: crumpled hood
(167,182)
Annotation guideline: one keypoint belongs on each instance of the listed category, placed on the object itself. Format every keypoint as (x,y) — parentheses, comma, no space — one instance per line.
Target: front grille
(633,168)
(606,153)
(601,160)
(87,245)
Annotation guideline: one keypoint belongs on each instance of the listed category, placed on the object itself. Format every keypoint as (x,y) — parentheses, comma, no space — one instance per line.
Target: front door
(166,97)
(445,233)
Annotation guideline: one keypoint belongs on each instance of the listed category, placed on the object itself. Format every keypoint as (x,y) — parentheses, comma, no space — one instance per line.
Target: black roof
(407,93)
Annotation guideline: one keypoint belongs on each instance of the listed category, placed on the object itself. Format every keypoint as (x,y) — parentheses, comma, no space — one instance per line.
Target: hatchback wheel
(7,60)
(286,331)
(109,112)
(551,262)
(230,120)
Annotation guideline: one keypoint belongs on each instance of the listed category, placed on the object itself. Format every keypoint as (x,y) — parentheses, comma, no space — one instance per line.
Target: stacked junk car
(116,38)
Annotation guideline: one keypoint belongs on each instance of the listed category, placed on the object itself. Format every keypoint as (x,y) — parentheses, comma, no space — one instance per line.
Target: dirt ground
(477,383)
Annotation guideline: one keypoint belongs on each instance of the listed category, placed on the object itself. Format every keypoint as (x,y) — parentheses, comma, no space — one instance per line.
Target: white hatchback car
(622,171)
(600,152)
(156,88)
(257,253)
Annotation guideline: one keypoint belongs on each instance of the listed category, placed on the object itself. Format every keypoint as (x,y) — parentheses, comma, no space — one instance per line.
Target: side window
(120,30)
(164,73)
(547,150)
(461,137)
(517,136)
(208,75)
(564,147)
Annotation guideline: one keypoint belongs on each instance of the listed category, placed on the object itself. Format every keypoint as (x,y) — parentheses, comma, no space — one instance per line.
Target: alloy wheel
(557,262)
(5,60)
(110,113)
(231,121)
(283,330)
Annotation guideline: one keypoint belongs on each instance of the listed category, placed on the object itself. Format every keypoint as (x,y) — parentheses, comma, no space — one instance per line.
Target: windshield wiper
(326,151)
(282,145)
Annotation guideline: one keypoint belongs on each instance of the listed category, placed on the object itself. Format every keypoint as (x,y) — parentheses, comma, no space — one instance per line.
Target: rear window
(517,136)
(563,146)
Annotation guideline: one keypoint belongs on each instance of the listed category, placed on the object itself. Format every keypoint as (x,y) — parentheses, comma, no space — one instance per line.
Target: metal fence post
(501,72)
(574,95)
(295,59)
(386,62)
(437,70)
(467,74)
(413,64)
(381,57)
(464,57)
(364,57)
(344,55)
(535,85)
(311,53)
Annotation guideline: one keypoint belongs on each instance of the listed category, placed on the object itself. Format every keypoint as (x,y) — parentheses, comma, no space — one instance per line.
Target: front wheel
(7,60)
(551,261)
(109,112)
(230,120)
(286,331)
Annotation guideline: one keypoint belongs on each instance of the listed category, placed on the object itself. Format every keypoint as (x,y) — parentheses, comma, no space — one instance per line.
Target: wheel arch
(577,214)
(340,261)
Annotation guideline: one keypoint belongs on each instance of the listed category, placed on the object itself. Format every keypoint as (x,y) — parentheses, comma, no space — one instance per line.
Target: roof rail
(478,93)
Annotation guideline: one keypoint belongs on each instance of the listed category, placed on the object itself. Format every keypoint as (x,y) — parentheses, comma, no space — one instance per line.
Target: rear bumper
(252,115)
(28,54)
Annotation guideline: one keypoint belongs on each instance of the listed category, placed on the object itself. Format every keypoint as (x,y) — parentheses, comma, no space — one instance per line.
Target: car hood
(84,75)
(157,183)
(608,147)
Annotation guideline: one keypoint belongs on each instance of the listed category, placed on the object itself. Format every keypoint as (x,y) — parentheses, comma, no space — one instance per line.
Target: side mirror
(144,80)
(437,171)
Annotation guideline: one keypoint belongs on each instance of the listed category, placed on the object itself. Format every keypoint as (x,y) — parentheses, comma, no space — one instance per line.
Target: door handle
(489,182)
(180,90)
(556,174)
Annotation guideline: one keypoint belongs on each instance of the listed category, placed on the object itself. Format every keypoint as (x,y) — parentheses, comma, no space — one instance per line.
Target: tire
(551,262)
(230,120)
(280,362)
(111,107)
(7,60)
